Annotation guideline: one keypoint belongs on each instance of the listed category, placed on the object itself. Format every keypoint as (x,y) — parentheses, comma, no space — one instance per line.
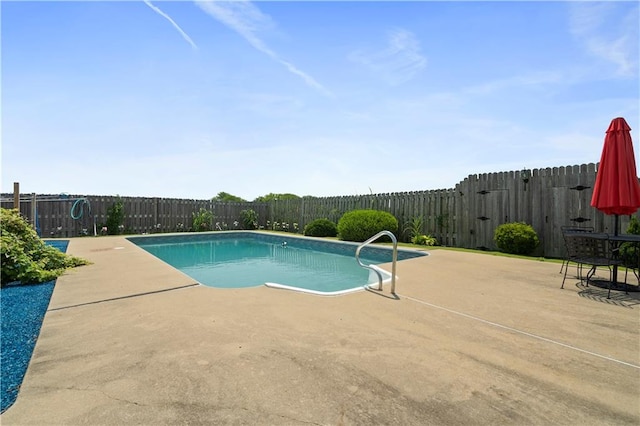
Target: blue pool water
(23,308)
(246,259)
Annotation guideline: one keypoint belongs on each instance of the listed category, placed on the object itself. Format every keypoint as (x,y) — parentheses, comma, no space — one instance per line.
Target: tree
(226,197)
(271,197)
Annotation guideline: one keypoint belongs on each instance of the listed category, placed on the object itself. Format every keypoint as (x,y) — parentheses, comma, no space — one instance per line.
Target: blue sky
(187,99)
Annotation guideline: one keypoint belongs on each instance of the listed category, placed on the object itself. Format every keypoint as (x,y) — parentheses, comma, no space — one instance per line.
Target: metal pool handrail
(395,258)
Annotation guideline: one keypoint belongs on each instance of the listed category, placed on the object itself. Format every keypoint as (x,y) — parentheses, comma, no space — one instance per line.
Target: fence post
(33,210)
(16,195)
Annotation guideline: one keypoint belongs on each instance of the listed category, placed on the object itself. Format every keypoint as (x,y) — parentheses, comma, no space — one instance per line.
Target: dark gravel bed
(22,309)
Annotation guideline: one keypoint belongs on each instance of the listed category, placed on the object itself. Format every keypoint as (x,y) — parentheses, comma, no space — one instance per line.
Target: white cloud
(398,62)
(608,31)
(176,26)
(247,20)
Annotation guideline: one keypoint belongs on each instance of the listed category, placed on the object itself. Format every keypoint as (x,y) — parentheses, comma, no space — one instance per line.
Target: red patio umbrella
(617,191)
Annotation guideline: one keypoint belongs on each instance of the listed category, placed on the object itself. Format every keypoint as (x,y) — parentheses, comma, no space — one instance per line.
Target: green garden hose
(80,203)
(77,211)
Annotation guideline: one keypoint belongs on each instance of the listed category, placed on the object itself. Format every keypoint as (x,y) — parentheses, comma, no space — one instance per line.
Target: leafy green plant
(629,251)
(359,225)
(516,238)
(249,219)
(320,228)
(202,220)
(25,257)
(424,240)
(115,218)
(413,227)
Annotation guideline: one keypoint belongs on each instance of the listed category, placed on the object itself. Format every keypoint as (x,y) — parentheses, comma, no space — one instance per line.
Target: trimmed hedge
(516,238)
(320,228)
(360,225)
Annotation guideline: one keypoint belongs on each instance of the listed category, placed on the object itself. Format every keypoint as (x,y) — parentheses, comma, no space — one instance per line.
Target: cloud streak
(400,61)
(175,25)
(247,20)
(533,80)
(608,31)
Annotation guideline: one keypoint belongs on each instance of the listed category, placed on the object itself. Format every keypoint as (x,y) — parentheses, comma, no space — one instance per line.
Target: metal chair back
(572,229)
(584,249)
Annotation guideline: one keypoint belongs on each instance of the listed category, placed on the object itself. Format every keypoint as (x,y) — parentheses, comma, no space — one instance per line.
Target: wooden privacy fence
(75,215)
(465,216)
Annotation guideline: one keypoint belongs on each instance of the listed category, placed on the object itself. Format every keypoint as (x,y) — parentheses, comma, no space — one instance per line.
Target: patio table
(616,241)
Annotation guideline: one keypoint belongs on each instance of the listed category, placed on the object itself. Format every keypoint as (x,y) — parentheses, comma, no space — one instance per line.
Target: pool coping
(314,241)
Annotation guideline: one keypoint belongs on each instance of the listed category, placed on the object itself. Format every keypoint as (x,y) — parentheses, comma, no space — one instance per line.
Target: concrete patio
(474,339)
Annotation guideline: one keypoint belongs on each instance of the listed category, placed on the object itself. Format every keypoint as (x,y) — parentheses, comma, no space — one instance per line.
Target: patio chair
(572,229)
(585,250)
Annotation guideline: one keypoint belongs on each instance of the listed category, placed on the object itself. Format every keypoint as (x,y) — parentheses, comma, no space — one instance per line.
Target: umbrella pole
(616,225)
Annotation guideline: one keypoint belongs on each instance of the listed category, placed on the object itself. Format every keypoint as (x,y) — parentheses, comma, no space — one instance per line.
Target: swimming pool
(249,259)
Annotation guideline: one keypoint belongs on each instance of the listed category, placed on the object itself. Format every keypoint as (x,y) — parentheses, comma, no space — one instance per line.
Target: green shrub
(634,226)
(320,228)
(202,220)
(115,218)
(516,238)
(360,225)
(413,227)
(249,219)
(25,257)
(424,240)
(629,251)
